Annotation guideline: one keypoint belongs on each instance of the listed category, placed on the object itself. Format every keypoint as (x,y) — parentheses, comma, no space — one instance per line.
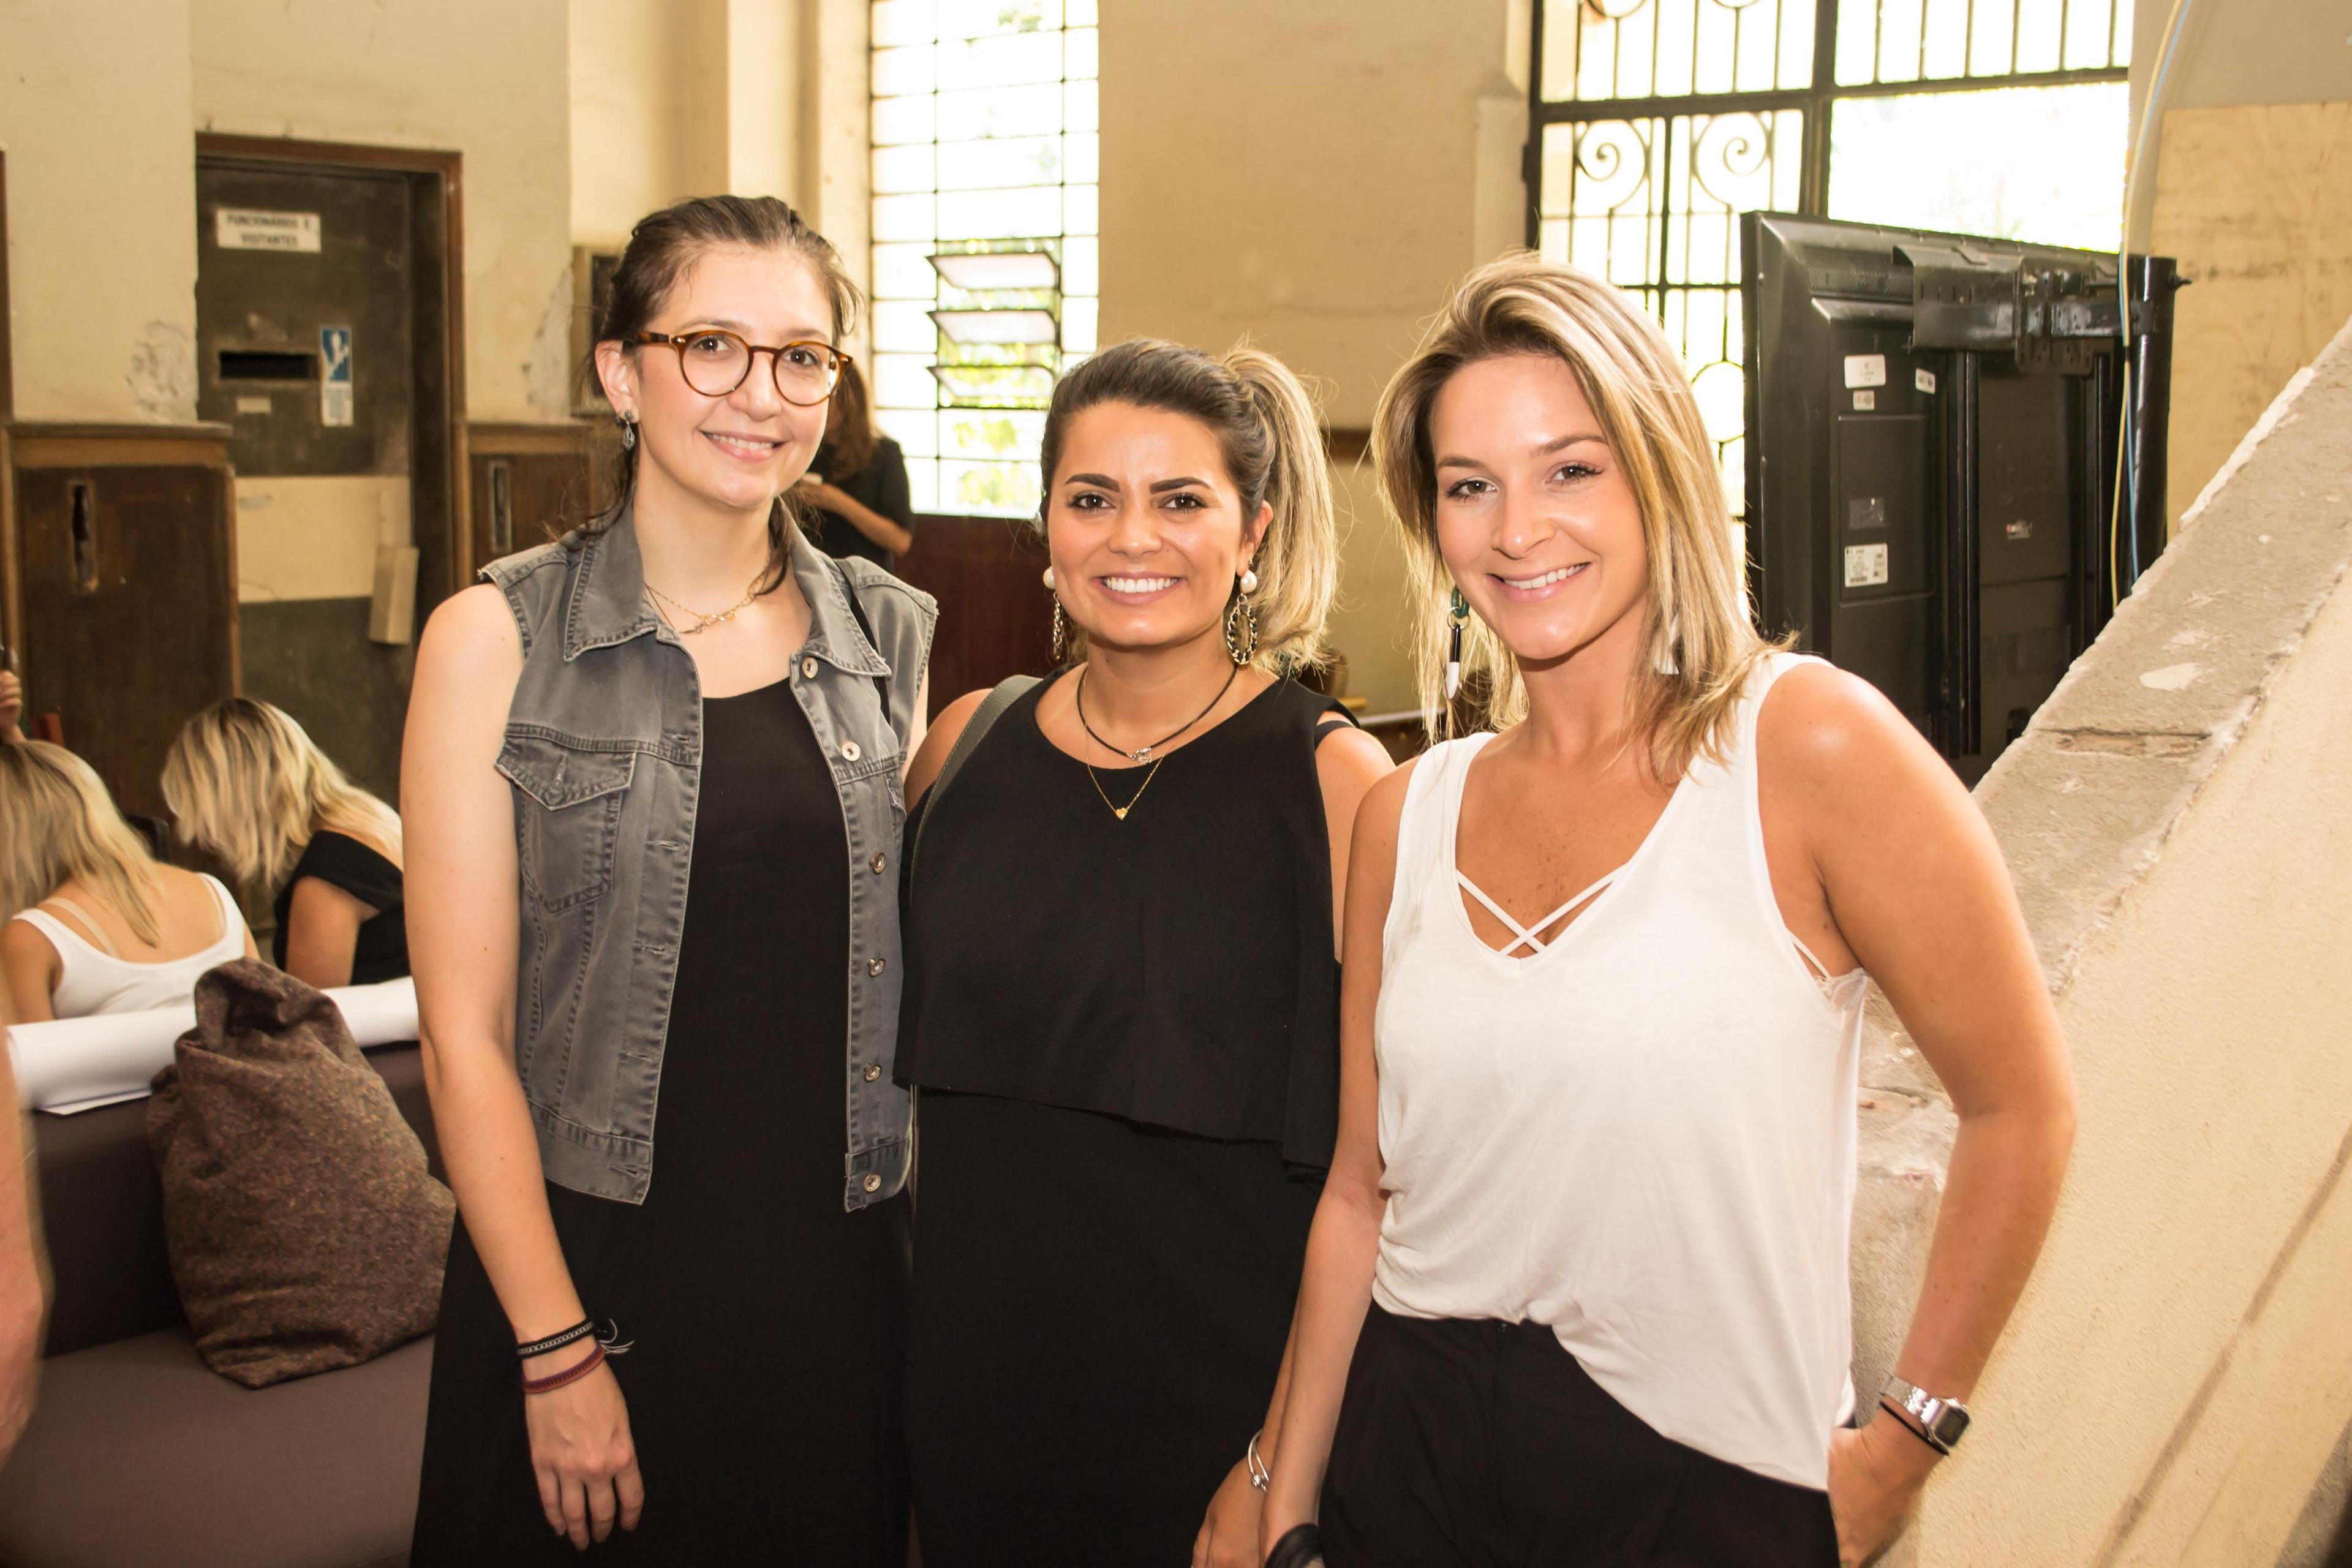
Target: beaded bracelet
(549,1384)
(577,1331)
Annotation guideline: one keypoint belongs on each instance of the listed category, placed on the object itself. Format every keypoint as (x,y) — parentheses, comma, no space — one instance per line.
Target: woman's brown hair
(1265,426)
(662,249)
(1700,644)
(851,446)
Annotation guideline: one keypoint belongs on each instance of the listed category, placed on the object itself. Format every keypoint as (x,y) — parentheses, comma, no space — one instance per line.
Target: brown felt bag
(304,1230)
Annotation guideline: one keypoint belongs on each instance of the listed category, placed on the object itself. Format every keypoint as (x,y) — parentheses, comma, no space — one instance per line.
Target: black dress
(882,485)
(341,861)
(768,1326)
(1126,1036)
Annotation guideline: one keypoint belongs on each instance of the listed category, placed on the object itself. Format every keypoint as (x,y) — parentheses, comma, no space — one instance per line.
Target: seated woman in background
(103,928)
(247,783)
(856,484)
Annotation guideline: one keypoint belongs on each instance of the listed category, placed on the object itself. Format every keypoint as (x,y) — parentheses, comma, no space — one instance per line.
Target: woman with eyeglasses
(653,787)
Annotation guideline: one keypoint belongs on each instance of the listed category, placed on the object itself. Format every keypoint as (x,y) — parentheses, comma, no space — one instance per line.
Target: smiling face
(1145,527)
(736,452)
(1535,518)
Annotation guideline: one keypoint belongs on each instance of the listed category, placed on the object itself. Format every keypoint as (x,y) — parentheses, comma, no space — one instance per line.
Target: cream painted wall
(649,93)
(2246,51)
(94,118)
(678,98)
(489,81)
(1316,176)
(1308,173)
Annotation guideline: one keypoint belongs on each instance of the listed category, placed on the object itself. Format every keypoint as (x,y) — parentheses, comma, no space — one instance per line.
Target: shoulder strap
(983,718)
(103,943)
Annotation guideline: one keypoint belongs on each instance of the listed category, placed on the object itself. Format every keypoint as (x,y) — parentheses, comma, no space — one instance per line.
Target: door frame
(439,359)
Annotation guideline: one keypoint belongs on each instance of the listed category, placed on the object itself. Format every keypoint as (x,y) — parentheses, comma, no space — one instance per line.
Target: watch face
(1950,1422)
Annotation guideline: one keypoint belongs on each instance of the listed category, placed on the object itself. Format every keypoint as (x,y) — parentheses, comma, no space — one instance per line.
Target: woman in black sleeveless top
(1121,996)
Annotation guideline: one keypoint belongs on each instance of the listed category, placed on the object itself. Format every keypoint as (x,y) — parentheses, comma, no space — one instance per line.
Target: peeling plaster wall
(486,80)
(102,209)
(2180,820)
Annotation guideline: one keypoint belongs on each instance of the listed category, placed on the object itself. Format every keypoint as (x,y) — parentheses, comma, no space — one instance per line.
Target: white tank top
(91,981)
(1641,1136)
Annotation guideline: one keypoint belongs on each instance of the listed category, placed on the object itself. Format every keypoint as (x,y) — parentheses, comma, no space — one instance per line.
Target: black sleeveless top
(1174,968)
(341,861)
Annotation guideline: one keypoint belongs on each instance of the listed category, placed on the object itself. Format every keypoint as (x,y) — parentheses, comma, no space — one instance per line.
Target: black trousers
(1467,1443)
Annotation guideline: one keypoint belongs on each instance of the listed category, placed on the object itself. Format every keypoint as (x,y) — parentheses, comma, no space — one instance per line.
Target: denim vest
(604,743)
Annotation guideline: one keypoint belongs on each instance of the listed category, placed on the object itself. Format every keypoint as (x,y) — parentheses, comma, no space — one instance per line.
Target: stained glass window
(985,140)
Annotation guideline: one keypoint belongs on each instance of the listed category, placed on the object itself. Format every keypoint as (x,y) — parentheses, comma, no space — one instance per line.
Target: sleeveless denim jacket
(603,746)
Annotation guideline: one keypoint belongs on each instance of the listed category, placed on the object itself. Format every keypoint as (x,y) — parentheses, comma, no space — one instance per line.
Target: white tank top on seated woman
(1641,1133)
(95,978)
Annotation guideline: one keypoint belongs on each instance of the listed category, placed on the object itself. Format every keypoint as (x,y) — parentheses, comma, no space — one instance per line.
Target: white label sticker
(1865,565)
(335,390)
(252,405)
(1925,380)
(1866,370)
(1863,401)
(248,229)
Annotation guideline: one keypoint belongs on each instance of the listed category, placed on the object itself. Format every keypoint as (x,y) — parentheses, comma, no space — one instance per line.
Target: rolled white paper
(75,1064)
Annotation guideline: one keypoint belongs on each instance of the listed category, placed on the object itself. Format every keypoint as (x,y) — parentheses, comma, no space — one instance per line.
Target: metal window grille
(1654,122)
(984,140)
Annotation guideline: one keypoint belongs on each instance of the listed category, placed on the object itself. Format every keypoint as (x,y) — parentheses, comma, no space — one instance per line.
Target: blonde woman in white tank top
(1576,1291)
(97,924)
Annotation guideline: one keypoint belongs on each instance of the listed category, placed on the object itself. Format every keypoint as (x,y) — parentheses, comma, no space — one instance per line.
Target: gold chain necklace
(702,619)
(1120,811)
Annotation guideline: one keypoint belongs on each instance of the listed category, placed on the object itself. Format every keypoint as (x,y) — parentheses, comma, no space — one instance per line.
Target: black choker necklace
(1144,755)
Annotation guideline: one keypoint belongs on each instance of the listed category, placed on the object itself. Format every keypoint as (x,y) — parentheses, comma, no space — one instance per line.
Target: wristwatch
(1941,1421)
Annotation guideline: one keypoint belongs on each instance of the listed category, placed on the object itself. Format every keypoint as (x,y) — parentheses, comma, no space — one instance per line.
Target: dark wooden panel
(995,616)
(527,484)
(313,658)
(131,628)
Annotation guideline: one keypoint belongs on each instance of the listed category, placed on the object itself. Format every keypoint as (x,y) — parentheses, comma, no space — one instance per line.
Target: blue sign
(335,387)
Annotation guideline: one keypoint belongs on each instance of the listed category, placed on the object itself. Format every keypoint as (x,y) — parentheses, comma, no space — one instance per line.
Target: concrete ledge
(2123,758)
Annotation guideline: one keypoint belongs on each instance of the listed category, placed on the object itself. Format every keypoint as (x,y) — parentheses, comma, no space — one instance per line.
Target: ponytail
(1265,424)
(1298,560)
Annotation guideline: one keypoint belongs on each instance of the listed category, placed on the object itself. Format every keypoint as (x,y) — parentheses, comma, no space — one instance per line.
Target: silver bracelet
(1259,1474)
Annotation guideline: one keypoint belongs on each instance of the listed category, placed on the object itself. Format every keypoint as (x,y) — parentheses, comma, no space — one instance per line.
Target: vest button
(808,669)
(874,966)
(879,862)
(872,1184)
(850,750)
(873,1071)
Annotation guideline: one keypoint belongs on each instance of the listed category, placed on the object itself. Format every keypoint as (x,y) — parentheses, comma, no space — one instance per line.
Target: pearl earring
(1049,578)
(1249,580)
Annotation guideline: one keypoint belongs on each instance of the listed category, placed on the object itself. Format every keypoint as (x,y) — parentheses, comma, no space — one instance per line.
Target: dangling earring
(1061,624)
(1249,580)
(628,425)
(1240,621)
(1459,612)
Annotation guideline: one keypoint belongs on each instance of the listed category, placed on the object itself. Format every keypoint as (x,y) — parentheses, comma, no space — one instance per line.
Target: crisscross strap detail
(1531,938)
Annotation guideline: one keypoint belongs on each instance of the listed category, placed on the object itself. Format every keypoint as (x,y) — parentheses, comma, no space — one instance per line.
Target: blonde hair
(57,825)
(1700,643)
(1265,424)
(246,782)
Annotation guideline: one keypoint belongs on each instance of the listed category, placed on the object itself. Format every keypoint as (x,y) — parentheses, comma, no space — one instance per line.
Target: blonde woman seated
(104,928)
(248,784)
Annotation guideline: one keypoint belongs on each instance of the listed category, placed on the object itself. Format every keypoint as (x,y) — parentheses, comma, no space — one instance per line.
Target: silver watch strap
(1941,1421)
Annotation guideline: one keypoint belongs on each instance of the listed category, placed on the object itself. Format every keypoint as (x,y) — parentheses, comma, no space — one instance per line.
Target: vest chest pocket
(567,815)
